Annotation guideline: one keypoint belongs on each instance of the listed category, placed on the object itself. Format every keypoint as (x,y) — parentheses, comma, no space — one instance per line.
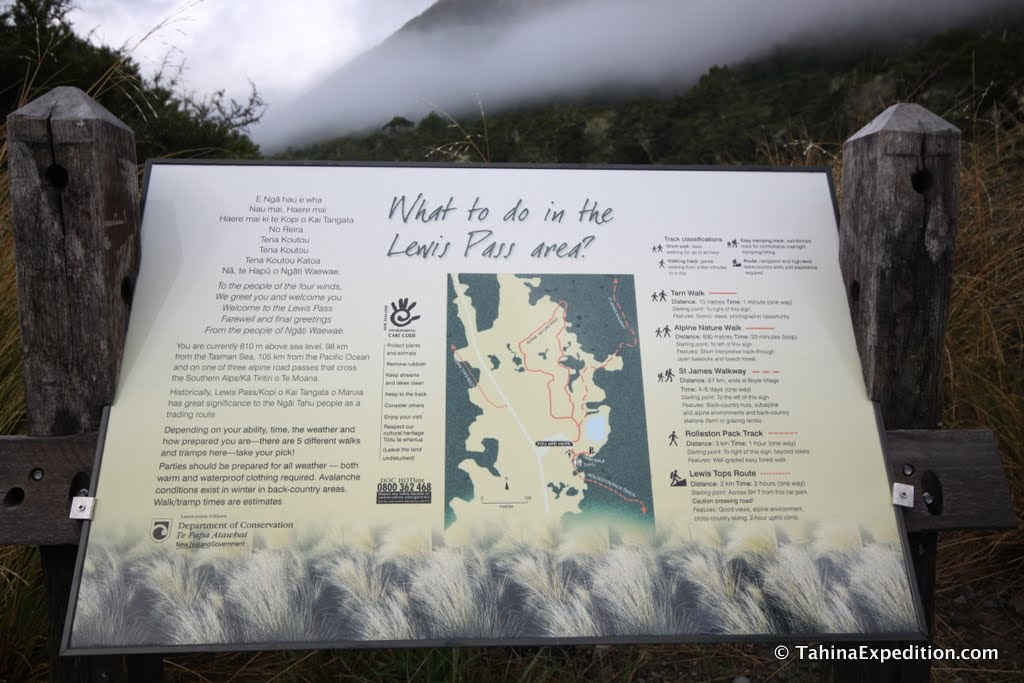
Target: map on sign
(545,407)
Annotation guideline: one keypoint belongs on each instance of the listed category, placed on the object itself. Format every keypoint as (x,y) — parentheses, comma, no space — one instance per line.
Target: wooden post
(900,189)
(74,199)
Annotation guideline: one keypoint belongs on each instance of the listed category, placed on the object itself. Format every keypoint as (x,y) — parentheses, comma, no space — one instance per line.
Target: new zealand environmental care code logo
(399,317)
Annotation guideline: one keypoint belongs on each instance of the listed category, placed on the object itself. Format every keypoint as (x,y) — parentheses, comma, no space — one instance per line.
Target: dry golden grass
(22,615)
(985,337)
(12,398)
(985,388)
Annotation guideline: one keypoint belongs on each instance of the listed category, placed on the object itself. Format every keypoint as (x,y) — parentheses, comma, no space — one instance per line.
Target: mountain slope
(517,52)
(790,104)
(476,13)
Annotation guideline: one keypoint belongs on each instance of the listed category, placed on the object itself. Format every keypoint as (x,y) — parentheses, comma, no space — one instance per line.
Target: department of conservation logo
(161,530)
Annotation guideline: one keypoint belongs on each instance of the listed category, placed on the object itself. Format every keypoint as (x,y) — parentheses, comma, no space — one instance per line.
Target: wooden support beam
(962,474)
(964,463)
(75,211)
(38,477)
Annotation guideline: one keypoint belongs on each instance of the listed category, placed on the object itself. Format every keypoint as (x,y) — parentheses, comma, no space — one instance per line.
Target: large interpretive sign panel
(412,405)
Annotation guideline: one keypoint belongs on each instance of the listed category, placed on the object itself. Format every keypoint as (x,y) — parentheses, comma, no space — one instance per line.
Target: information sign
(409,405)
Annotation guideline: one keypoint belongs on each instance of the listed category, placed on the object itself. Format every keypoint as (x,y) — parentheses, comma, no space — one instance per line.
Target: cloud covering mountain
(512,52)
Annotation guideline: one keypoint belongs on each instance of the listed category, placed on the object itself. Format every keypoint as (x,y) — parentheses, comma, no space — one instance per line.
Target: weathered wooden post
(74,198)
(900,186)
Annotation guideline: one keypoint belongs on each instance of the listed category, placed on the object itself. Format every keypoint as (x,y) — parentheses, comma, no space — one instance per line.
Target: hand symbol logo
(401,315)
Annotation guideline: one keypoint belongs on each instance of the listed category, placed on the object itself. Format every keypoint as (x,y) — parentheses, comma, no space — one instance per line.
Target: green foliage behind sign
(804,98)
(39,51)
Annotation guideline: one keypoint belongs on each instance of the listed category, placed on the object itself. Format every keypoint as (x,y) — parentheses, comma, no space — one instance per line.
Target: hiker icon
(673,440)
(669,375)
(676,479)
(662,296)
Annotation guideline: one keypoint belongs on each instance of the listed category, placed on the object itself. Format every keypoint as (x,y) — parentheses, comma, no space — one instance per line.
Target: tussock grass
(12,389)
(734,604)
(794,577)
(319,592)
(985,334)
(22,615)
(552,590)
(22,600)
(118,586)
(637,596)
(875,577)
(984,382)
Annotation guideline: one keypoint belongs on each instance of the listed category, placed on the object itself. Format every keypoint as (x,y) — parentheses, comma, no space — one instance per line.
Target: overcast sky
(283,46)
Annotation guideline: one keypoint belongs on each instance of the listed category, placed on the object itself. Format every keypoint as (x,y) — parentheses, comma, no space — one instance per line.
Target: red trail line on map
(583,476)
(478,385)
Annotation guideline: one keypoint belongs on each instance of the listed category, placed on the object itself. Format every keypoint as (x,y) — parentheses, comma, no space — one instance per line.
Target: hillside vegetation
(39,51)
(794,103)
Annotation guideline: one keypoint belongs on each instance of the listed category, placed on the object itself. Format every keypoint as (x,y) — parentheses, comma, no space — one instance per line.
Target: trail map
(545,404)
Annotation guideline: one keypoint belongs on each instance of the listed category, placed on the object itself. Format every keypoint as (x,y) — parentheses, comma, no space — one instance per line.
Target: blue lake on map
(597,427)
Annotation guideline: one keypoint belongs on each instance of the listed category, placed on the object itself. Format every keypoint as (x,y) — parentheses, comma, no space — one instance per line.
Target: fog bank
(574,46)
